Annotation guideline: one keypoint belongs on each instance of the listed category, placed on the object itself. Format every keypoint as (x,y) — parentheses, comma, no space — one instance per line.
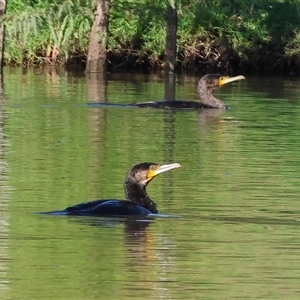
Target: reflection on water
(5,193)
(237,236)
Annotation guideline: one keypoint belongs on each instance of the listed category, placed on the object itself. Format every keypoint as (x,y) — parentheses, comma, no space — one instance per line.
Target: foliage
(224,34)
(48,32)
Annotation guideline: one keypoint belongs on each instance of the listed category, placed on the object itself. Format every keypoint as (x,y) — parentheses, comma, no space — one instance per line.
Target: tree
(171,36)
(2,33)
(96,60)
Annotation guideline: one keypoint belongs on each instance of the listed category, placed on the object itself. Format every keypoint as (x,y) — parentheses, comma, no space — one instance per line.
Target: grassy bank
(225,35)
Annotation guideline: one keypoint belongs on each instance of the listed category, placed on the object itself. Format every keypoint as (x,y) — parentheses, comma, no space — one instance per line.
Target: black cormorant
(206,84)
(138,202)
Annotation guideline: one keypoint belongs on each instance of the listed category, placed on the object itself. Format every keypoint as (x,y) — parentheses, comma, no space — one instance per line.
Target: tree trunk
(170,53)
(96,60)
(2,33)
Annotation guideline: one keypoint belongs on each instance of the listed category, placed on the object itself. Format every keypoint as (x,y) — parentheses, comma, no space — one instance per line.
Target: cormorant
(206,84)
(138,202)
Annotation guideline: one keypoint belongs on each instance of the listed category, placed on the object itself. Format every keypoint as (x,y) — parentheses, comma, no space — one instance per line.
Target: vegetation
(251,36)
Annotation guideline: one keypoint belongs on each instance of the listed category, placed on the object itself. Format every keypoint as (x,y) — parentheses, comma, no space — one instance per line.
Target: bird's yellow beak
(223,80)
(157,169)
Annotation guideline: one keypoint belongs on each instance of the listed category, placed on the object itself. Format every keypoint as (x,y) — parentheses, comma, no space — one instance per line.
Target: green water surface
(237,193)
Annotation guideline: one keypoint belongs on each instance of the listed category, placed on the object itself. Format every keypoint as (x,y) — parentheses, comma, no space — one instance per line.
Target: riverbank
(225,35)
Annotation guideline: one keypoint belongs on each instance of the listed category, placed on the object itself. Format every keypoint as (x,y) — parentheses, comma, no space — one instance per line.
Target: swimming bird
(138,202)
(206,85)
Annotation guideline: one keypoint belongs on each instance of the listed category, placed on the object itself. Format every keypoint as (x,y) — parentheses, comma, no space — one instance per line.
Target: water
(237,193)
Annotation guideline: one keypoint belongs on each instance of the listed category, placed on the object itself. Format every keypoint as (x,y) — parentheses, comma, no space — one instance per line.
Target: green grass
(254,36)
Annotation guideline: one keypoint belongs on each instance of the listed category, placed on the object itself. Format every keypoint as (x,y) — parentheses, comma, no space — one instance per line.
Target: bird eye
(153,167)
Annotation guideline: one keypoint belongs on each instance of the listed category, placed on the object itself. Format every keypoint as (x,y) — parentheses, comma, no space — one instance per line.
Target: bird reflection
(144,251)
(131,223)
(136,235)
(209,117)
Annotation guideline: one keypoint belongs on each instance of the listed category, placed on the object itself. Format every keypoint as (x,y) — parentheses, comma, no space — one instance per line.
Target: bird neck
(208,98)
(137,194)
